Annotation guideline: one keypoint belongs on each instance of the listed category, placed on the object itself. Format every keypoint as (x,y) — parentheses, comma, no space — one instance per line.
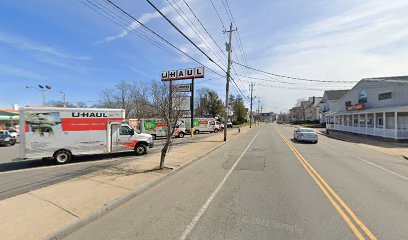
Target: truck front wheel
(62,156)
(141,149)
(181,135)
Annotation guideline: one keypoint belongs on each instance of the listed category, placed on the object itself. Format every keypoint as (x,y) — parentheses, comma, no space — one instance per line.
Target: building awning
(374,110)
(8,118)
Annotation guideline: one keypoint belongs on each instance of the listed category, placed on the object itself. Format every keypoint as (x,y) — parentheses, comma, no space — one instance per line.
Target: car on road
(305,134)
(13,132)
(6,138)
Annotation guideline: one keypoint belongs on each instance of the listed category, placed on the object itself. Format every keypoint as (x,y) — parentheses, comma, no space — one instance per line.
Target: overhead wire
(289,77)
(160,37)
(185,36)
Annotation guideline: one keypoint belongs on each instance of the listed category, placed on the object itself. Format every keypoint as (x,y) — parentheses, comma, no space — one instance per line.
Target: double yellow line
(345,212)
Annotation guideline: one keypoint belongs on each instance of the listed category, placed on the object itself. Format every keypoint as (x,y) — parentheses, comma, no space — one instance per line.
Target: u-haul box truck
(158,128)
(63,132)
(202,125)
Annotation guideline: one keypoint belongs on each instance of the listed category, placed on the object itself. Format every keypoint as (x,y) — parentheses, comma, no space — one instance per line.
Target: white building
(374,106)
(328,104)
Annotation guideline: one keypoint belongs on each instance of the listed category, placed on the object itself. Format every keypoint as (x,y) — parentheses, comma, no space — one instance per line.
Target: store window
(362,96)
(362,122)
(370,120)
(384,96)
(390,120)
(355,120)
(403,120)
(379,121)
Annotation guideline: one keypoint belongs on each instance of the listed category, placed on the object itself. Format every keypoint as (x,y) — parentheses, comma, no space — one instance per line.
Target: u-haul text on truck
(63,132)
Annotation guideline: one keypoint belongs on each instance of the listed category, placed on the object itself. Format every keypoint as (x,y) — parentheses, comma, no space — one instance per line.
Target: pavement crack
(56,205)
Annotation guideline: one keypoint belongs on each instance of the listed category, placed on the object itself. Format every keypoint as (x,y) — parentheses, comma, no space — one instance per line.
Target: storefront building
(8,118)
(374,106)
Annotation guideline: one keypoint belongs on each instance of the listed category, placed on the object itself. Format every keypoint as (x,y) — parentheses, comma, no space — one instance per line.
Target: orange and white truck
(61,133)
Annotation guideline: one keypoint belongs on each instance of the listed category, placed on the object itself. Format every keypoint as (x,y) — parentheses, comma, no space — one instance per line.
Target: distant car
(13,132)
(6,138)
(305,134)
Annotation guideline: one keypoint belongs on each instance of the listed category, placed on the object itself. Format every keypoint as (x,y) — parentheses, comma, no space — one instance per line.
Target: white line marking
(211,198)
(373,164)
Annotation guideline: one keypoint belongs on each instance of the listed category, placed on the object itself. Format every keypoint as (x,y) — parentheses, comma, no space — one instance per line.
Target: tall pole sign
(182,74)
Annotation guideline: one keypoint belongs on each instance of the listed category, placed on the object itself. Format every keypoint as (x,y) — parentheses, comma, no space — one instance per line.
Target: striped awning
(9,118)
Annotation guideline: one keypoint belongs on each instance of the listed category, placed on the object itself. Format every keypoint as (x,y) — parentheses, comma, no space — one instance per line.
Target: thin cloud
(144,18)
(12,71)
(28,45)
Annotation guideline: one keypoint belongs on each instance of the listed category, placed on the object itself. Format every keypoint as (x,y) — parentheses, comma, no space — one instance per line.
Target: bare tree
(170,107)
(133,97)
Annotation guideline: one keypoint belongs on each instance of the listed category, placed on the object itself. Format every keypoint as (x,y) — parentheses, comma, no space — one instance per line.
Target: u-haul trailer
(63,132)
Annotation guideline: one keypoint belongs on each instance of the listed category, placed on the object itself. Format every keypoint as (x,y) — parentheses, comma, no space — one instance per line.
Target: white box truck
(202,125)
(158,128)
(63,132)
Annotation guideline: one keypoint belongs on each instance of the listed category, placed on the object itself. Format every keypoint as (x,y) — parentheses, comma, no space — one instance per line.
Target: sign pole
(192,107)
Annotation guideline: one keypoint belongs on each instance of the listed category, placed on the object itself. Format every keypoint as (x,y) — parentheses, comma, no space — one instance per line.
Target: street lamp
(63,97)
(42,89)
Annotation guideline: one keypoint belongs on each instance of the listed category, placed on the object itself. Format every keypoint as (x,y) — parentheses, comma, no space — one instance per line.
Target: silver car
(305,134)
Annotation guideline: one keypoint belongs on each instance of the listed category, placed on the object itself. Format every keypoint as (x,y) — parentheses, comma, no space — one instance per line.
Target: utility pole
(229,49)
(251,88)
(259,101)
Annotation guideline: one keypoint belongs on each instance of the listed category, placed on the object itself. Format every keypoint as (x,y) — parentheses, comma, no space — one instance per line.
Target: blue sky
(71,47)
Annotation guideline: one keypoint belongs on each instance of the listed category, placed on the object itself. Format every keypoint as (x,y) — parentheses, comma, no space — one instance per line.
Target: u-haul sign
(188,73)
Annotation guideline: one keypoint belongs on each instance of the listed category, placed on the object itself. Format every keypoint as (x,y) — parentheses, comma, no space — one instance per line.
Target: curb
(70,228)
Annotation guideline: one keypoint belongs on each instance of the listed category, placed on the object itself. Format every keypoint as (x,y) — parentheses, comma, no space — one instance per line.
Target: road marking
(200,213)
(365,160)
(326,189)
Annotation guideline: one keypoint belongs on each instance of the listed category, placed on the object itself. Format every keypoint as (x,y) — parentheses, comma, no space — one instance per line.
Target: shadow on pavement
(360,138)
(301,142)
(38,163)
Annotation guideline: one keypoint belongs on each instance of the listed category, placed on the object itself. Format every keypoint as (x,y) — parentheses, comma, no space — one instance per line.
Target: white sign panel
(182,88)
(183,74)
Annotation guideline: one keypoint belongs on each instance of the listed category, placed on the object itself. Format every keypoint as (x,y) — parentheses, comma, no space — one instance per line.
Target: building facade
(328,104)
(374,106)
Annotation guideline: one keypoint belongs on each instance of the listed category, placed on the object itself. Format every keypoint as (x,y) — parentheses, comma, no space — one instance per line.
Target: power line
(184,35)
(289,77)
(279,81)
(160,37)
(219,17)
(121,22)
(186,19)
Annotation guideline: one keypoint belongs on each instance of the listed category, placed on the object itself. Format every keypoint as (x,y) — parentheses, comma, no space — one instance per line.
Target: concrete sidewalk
(43,212)
(384,146)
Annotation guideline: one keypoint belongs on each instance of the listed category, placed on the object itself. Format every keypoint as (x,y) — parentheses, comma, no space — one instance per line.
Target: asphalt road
(264,186)
(8,153)
(17,177)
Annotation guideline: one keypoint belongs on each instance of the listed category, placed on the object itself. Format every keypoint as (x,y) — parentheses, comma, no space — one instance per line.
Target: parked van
(63,132)
(202,125)
(158,128)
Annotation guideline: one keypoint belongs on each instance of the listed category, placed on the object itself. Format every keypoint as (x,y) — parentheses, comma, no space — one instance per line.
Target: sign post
(192,107)
(190,73)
